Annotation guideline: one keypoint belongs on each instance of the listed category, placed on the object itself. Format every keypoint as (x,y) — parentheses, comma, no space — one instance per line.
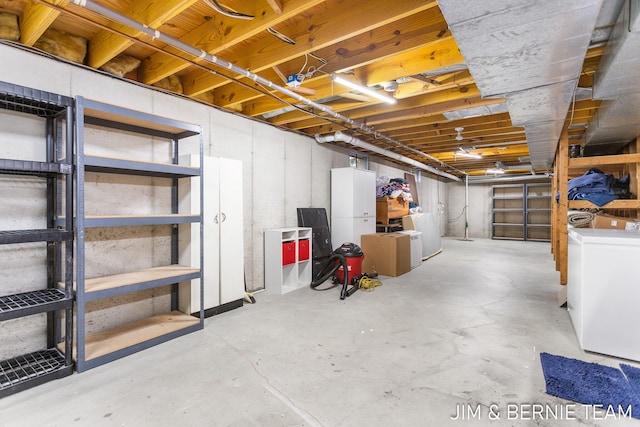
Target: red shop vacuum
(344,266)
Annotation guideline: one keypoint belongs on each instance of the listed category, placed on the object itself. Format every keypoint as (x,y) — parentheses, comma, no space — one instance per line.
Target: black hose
(327,271)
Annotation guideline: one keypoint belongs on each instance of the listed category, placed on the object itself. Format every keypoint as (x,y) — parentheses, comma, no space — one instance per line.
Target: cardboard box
(614,222)
(388,254)
(388,207)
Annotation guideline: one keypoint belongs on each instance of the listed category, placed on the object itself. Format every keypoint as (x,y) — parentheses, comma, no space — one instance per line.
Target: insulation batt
(9,29)
(63,45)
(171,83)
(121,65)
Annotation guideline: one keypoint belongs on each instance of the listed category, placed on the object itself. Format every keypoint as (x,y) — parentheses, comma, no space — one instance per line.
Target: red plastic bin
(288,253)
(303,250)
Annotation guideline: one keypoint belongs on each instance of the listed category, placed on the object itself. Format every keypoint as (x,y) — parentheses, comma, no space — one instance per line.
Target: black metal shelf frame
(112,117)
(28,370)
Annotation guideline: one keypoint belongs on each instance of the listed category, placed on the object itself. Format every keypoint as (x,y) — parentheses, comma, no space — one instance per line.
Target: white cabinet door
(353,193)
(364,193)
(363,226)
(231,250)
(342,203)
(223,233)
(349,230)
(188,191)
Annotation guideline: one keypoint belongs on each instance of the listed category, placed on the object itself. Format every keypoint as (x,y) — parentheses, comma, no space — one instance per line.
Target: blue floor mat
(590,383)
(633,377)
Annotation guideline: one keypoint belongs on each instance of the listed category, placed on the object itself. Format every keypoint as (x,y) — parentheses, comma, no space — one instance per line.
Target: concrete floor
(464,329)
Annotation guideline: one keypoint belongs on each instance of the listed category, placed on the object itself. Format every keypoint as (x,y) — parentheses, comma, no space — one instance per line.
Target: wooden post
(562,235)
(554,209)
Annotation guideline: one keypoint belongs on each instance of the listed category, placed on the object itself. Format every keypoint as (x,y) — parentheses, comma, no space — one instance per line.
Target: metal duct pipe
(199,53)
(349,139)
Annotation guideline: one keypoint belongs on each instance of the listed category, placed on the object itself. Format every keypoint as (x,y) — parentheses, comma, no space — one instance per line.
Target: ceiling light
(363,89)
(495,171)
(499,169)
(391,86)
(466,152)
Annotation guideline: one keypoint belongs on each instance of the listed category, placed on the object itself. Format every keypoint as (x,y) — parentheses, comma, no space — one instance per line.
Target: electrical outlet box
(293,80)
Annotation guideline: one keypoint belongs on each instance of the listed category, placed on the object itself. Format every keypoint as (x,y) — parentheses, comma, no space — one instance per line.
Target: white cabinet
(602,292)
(349,230)
(287,259)
(223,236)
(353,205)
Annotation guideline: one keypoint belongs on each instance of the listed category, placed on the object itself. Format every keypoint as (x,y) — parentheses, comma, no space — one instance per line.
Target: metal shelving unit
(97,348)
(538,212)
(521,212)
(507,212)
(37,367)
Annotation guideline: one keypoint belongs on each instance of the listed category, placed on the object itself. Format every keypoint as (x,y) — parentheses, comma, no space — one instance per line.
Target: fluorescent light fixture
(470,155)
(363,89)
(465,152)
(495,171)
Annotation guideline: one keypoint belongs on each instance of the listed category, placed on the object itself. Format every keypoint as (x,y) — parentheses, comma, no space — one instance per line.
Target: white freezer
(603,290)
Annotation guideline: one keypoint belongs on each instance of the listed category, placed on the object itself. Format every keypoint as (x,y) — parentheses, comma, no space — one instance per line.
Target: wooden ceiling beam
(434,56)
(105,45)
(488,154)
(276,6)
(478,139)
(325,88)
(496,142)
(36,18)
(263,105)
(336,22)
(218,34)
(349,54)
(447,129)
(314,125)
(467,91)
(430,109)
(232,94)
(430,125)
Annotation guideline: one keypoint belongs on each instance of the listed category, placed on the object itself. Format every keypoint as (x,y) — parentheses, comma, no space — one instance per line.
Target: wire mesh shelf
(29,367)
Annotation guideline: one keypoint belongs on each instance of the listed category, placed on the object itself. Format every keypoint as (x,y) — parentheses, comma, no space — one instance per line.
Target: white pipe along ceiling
(341,136)
(514,50)
(198,53)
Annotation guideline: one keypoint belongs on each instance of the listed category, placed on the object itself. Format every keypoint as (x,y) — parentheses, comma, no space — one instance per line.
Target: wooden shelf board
(616,159)
(124,116)
(614,204)
(121,337)
(101,283)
